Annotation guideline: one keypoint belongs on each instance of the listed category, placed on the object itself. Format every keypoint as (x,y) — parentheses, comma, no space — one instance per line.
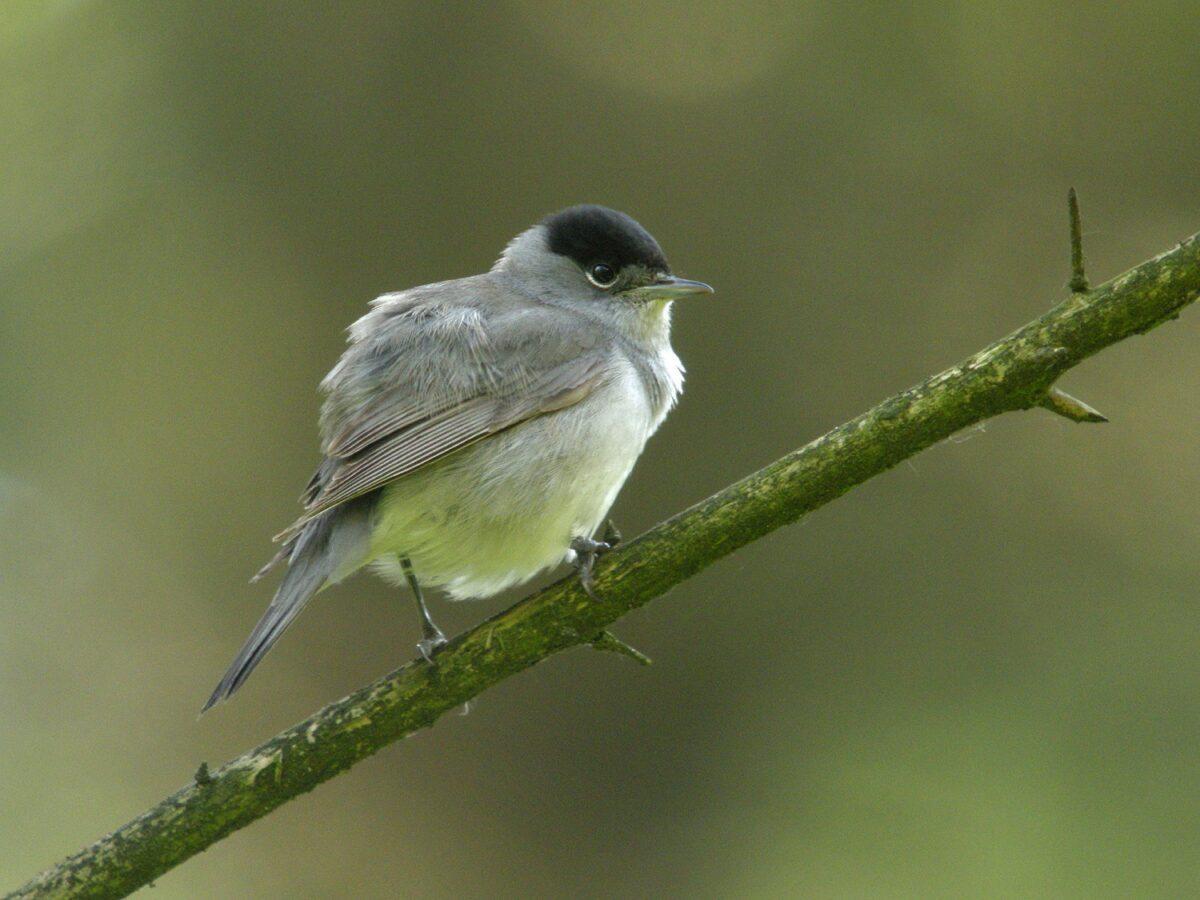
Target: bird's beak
(669,287)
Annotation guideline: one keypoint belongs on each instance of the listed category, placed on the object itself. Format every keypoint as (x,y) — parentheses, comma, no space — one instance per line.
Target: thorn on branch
(1079,282)
(606,640)
(1069,407)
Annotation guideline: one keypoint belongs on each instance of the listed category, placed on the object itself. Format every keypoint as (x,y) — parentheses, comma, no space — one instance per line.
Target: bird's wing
(411,444)
(424,377)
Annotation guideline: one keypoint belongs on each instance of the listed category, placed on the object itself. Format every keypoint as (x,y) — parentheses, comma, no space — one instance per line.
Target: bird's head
(591,257)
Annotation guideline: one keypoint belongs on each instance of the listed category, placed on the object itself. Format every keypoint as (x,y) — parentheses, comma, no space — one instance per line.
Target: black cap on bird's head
(615,252)
(589,234)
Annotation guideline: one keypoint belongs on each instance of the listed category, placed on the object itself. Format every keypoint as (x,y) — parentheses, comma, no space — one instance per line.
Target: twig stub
(1079,282)
(606,640)
(1072,408)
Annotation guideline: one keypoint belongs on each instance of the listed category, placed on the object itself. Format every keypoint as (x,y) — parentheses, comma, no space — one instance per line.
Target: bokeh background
(977,675)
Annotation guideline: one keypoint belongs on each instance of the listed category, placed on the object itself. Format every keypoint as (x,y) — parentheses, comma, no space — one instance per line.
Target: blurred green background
(974,676)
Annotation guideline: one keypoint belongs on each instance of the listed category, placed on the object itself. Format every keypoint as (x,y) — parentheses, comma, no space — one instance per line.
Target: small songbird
(476,432)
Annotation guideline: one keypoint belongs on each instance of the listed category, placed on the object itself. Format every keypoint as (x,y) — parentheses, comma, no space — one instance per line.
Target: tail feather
(310,564)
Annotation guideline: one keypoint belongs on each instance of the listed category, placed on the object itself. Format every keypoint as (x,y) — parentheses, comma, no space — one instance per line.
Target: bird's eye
(601,275)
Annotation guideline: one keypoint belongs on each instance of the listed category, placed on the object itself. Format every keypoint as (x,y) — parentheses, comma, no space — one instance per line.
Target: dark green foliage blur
(978,675)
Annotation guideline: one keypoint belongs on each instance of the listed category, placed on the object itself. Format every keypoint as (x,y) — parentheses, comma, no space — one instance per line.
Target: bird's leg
(432,638)
(586,552)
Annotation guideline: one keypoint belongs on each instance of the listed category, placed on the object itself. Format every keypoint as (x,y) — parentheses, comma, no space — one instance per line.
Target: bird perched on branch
(476,432)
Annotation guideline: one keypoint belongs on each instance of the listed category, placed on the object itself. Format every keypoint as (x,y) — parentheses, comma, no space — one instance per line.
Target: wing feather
(423,380)
(390,413)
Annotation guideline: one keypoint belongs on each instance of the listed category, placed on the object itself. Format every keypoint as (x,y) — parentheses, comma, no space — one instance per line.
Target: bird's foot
(431,644)
(587,551)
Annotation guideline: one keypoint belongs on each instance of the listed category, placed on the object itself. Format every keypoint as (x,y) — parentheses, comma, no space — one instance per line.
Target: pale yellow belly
(497,513)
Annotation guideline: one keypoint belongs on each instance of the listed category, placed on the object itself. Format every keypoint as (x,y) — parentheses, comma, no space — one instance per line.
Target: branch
(1017,372)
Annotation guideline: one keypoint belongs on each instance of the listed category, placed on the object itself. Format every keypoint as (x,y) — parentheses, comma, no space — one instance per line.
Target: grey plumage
(477,426)
(427,375)
(312,558)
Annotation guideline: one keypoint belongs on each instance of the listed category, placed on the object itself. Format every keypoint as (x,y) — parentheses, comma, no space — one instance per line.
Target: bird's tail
(312,562)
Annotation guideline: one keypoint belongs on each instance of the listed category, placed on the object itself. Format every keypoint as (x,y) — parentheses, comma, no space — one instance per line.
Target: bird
(476,432)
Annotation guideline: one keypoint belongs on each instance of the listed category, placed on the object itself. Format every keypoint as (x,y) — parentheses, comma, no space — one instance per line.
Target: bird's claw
(431,644)
(587,551)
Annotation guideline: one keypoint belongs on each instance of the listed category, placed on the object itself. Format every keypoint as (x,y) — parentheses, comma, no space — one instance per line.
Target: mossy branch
(1017,372)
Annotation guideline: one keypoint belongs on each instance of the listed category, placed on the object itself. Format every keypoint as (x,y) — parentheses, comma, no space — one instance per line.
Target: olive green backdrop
(977,675)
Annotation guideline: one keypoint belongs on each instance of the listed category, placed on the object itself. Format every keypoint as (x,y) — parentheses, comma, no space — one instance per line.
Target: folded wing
(424,379)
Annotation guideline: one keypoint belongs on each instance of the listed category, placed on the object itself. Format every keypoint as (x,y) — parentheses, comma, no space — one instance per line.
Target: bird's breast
(503,509)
